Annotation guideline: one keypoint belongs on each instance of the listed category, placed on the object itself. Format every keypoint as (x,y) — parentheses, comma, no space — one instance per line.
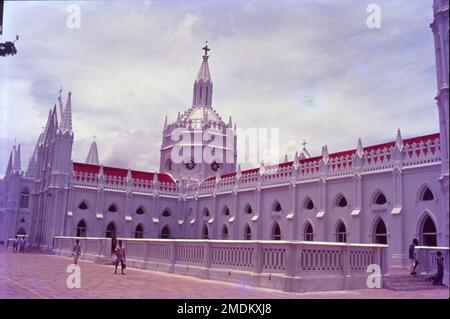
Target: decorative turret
(202,95)
(92,157)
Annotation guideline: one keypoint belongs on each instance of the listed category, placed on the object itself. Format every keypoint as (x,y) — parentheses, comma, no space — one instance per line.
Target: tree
(8,47)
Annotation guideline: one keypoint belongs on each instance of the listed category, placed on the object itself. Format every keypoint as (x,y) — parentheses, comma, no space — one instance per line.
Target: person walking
(22,244)
(15,244)
(413,256)
(120,258)
(76,253)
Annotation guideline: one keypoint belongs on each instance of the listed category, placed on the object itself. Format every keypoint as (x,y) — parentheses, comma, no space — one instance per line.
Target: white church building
(386,193)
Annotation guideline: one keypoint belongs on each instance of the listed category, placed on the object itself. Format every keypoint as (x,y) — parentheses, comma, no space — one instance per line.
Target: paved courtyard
(44,276)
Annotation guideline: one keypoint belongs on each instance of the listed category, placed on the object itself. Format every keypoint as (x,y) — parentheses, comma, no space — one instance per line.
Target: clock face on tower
(190,164)
(215,166)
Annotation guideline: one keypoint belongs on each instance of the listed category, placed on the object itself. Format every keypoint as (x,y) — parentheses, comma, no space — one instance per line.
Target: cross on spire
(304,144)
(206,49)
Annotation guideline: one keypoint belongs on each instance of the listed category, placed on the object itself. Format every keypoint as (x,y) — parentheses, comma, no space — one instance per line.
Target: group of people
(118,252)
(436,278)
(19,244)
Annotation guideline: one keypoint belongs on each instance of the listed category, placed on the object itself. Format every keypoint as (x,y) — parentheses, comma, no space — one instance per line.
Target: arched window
(427,194)
(380,199)
(341,233)
(380,232)
(21,232)
(168,164)
(24,198)
(139,231)
(205,232)
(165,232)
(140,210)
(248,209)
(112,208)
(226,211)
(276,232)
(247,232)
(22,220)
(309,204)
(428,234)
(308,233)
(205,212)
(81,229)
(224,232)
(166,213)
(276,207)
(341,201)
(83,205)
(111,230)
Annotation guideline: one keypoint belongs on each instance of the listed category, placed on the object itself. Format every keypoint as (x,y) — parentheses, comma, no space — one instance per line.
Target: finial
(206,49)
(359,148)
(60,91)
(399,140)
(304,144)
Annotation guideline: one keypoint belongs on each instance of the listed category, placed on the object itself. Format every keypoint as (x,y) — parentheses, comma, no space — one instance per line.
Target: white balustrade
(287,265)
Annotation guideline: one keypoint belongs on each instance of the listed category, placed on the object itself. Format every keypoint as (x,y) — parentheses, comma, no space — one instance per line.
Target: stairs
(405,282)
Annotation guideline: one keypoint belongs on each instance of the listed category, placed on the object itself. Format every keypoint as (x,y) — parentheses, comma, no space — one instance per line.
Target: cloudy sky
(311,68)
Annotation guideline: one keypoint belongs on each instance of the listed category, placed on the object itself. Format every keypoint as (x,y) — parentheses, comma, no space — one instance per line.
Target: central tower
(199,143)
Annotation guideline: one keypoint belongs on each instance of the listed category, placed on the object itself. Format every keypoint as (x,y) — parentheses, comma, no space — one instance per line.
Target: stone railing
(426,256)
(425,152)
(92,248)
(121,184)
(287,265)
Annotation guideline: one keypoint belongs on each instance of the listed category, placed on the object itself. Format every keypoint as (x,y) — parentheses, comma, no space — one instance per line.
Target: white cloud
(311,68)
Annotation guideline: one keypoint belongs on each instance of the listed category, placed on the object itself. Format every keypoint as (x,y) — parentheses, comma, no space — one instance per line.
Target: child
(412,256)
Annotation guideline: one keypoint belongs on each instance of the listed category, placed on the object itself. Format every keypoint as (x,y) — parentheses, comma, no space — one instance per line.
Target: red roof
(121,172)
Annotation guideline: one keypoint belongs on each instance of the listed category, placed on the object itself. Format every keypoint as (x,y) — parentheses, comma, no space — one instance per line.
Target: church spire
(92,157)
(202,95)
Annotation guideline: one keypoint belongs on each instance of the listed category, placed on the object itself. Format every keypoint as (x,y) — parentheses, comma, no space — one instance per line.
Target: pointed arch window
(140,210)
(380,232)
(112,208)
(205,212)
(428,233)
(165,232)
(309,204)
(83,205)
(341,233)
(111,230)
(22,220)
(226,211)
(276,207)
(24,198)
(81,229)
(21,232)
(380,199)
(224,232)
(248,209)
(341,201)
(276,232)
(427,195)
(308,232)
(166,213)
(205,233)
(247,232)
(139,231)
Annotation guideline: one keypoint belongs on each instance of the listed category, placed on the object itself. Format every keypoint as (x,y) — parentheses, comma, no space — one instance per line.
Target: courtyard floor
(44,276)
